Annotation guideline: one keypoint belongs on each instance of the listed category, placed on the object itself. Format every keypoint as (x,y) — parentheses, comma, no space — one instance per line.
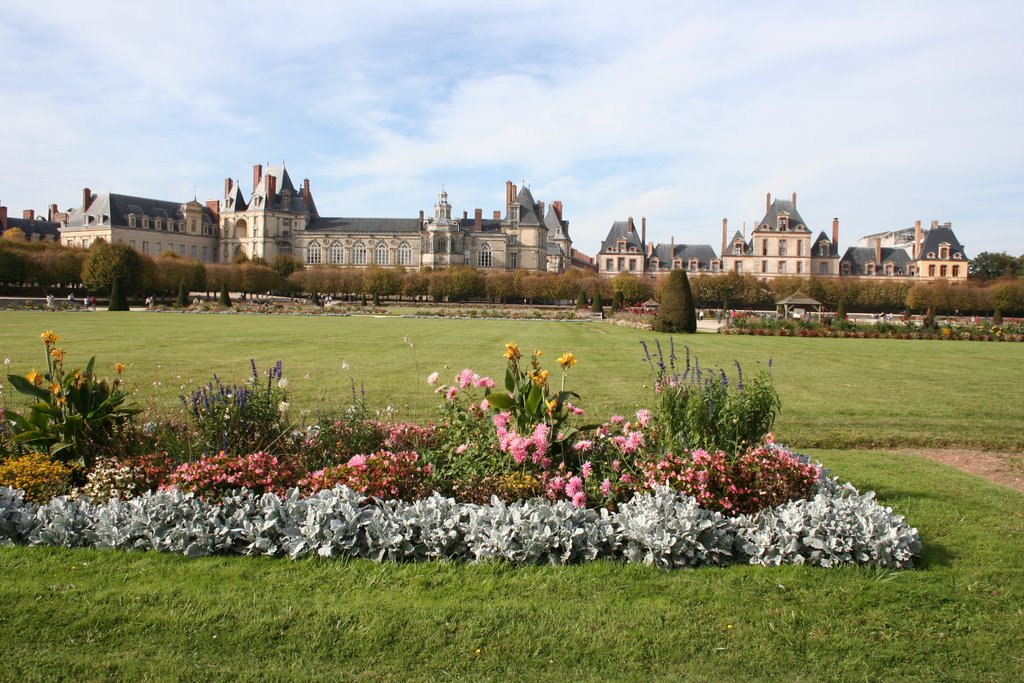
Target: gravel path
(1003,468)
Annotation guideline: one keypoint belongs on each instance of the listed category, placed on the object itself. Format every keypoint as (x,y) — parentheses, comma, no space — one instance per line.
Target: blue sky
(878,113)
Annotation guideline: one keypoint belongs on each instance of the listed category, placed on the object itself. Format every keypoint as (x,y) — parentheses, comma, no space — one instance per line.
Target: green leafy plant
(77,416)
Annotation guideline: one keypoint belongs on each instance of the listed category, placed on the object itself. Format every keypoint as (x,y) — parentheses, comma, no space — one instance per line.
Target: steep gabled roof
(738,237)
(529,213)
(771,218)
(109,208)
(668,253)
(283,183)
(620,230)
(833,249)
(940,235)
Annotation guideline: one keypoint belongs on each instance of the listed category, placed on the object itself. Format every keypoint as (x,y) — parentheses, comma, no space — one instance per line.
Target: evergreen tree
(225,298)
(841,311)
(118,298)
(598,305)
(997,316)
(581,300)
(182,301)
(676,312)
(617,301)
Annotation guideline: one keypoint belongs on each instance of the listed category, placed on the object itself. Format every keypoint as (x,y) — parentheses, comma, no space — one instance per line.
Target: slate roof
(528,209)
(36,229)
(284,182)
(940,235)
(111,209)
(860,257)
(771,218)
(738,237)
(665,254)
(363,226)
(619,230)
(487,225)
(833,249)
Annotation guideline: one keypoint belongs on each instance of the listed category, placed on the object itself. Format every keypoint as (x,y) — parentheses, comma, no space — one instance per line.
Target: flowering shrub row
(665,529)
(879,330)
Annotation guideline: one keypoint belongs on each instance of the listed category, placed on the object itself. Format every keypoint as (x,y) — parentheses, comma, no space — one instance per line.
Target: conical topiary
(997,316)
(617,301)
(118,298)
(676,312)
(225,298)
(581,300)
(841,310)
(182,301)
(598,305)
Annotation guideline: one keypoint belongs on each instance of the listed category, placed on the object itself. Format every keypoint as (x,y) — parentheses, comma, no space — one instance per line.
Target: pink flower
(451,393)
(357,461)
(579,500)
(432,378)
(616,419)
(606,487)
(573,486)
(643,417)
(465,378)
(485,383)
(616,464)
(583,445)
(485,405)
(462,448)
(586,469)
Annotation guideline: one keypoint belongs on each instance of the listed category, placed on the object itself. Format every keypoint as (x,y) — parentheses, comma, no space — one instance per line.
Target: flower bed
(663,528)
(752,325)
(697,480)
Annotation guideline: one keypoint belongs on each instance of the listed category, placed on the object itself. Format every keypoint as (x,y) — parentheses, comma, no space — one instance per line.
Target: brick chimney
(629,223)
(878,250)
(767,202)
(917,240)
(86,198)
(835,235)
(794,200)
(227,187)
(497,215)
(29,214)
(557,206)
(421,218)
(3,217)
(51,215)
(478,220)
(725,234)
(271,183)
(214,206)
(643,229)
(257,173)
(510,193)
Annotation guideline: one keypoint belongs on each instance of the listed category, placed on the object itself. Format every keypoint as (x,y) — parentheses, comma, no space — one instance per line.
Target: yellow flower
(566,360)
(54,388)
(540,377)
(49,337)
(552,406)
(57,355)
(119,368)
(538,353)
(34,377)
(512,351)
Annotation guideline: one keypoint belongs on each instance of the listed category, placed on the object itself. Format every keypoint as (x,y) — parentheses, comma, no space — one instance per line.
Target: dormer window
(145,222)
(131,220)
(286,201)
(888,269)
(870,269)
(844,268)
(737,249)
(783,223)
(823,249)
(958,255)
(931,254)
(943,251)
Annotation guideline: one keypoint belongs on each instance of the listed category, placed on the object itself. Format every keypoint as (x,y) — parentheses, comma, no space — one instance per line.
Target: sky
(878,113)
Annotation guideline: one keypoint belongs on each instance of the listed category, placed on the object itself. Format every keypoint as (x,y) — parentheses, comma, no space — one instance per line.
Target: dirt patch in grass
(1003,468)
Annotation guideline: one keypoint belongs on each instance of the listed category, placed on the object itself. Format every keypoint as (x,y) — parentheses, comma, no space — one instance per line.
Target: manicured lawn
(93,615)
(846,393)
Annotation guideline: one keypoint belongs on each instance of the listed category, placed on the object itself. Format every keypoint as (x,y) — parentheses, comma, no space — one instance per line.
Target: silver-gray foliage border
(838,526)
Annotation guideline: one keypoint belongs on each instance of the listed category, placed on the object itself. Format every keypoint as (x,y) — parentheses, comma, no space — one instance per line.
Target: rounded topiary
(676,312)
(225,298)
(598,305)
(617,301)
(118,298)
(182,301)
(581,300)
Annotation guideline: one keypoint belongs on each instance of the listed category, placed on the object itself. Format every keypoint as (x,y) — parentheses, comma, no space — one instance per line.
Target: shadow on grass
(933,556)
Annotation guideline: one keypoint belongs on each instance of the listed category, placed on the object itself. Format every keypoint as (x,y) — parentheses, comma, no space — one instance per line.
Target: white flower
(344,365)
(282,383)
(282,407)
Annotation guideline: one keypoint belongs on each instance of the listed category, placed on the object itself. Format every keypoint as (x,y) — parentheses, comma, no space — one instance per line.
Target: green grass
(92,615)
(959,615)
(850,393)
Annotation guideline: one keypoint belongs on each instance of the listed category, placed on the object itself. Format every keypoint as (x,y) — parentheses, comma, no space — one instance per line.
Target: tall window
(404,254)
(799,247)
(335,252)
(956,271)
(823,269)
(313,253)
(380,256)
(782,247)
(513,260)
(764,247)
(484,259)
(782,266)
(359,254)
(783,223)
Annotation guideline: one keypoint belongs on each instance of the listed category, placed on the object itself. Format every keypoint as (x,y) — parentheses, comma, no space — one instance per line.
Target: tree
(991,266)
(617,301)
(633,288)
(598,305)
(225,298)
(676,312)
(118,297)
(182,301)
(286,264)
(581,300)
(110,262)
(14,235)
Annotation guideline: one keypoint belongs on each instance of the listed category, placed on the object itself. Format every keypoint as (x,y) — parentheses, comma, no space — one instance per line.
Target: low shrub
(384,474)
(213,476)
(40,476)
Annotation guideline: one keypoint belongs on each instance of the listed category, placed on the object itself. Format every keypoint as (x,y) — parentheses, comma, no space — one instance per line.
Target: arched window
(313,253)
(404,254)
(335,253)
(485,259)
(359,254)
(380,256)
(844,268)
